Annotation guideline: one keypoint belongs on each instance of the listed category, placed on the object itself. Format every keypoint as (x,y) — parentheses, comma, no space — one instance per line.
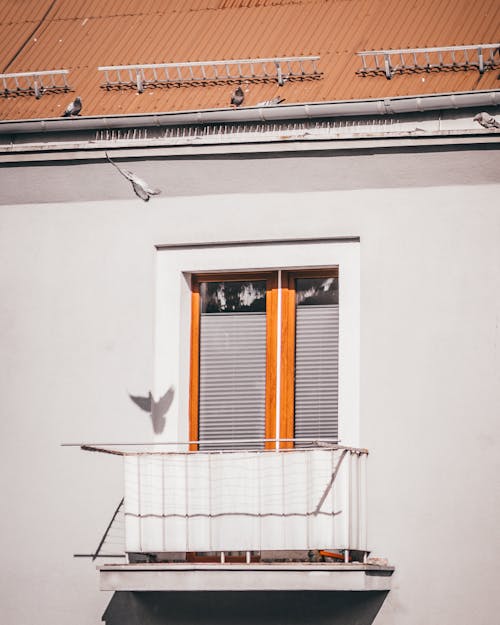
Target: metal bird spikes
(141,188)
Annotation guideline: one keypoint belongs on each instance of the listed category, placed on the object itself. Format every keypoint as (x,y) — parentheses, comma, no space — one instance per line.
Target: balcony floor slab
(301,576)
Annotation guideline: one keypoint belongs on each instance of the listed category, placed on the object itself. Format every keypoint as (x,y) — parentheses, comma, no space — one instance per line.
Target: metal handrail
(45,72)
(485,46)
(282,59)
(113,448)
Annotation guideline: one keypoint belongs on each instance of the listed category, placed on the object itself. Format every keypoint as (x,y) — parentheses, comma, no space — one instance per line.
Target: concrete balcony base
(244,577)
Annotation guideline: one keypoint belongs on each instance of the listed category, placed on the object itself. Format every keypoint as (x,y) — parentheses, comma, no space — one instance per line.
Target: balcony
(273,519)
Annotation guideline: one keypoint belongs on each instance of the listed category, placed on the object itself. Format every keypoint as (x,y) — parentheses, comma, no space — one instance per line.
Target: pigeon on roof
(74,108)
(238,97)
(141,188)
(272,102)
(486,120)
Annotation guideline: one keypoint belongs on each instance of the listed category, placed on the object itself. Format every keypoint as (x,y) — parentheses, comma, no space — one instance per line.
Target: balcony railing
(305,498)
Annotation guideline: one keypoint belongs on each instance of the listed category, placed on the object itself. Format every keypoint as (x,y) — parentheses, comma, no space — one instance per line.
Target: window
(310,349)
(246,384)
(233,358)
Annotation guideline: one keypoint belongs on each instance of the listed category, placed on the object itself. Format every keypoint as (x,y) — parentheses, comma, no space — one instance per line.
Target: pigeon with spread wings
(141,188)
(156,409)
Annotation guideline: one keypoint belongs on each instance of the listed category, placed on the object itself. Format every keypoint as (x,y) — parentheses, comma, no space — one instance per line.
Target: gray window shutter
(316,371)
(232,401)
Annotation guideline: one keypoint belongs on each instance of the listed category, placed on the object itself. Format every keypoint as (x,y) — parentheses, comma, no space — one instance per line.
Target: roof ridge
(41,22)
(223,5)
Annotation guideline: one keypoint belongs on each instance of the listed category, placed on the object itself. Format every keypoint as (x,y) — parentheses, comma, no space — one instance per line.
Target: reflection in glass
(233,297)
(316,291)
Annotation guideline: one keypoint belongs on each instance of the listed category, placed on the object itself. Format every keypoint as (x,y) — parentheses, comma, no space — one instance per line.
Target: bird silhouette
(156,409)
(486,120)
(74,108)
(272,102)
(141,188)
(237,97)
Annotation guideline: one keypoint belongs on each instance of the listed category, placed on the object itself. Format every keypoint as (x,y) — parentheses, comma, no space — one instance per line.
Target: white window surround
(174,266)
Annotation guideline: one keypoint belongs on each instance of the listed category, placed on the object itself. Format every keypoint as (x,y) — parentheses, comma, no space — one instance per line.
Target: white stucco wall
(77,326)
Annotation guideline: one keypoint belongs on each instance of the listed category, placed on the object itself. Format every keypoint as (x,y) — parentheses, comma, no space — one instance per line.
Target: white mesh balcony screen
(245,500)
(316,371)
(232,400)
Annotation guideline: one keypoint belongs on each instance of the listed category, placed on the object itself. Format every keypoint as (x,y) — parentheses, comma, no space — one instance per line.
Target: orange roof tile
(81,35)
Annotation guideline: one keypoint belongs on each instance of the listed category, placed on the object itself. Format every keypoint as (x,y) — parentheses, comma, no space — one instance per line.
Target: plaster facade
(80,284)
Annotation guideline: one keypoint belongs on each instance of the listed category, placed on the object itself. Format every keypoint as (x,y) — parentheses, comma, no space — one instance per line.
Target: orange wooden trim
(271,357)
(287,390)
(194,380)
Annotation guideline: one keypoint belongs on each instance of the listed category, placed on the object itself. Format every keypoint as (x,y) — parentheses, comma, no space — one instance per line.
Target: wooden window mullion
(271,357)
(194,385)
(287,359)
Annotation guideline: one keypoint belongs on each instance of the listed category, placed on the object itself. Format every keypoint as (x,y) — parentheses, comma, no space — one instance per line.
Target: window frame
(288,340)
(271,348)
(285,324)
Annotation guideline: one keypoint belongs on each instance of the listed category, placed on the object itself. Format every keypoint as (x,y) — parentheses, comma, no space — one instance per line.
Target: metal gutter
(343,108)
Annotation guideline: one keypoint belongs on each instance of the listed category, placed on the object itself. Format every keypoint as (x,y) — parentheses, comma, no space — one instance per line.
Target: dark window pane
(233,297)
(316,291)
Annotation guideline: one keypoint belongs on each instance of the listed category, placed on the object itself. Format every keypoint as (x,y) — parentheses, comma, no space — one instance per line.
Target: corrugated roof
(81,35)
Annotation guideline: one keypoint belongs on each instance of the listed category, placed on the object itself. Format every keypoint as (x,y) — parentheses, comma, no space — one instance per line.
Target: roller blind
(232,400)
(316,371)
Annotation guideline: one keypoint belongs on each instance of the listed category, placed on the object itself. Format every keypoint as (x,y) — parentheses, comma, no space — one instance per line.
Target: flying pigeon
(156,409)
(486,120)
(272,102)
(141,188)
(238,97)
(74,108)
